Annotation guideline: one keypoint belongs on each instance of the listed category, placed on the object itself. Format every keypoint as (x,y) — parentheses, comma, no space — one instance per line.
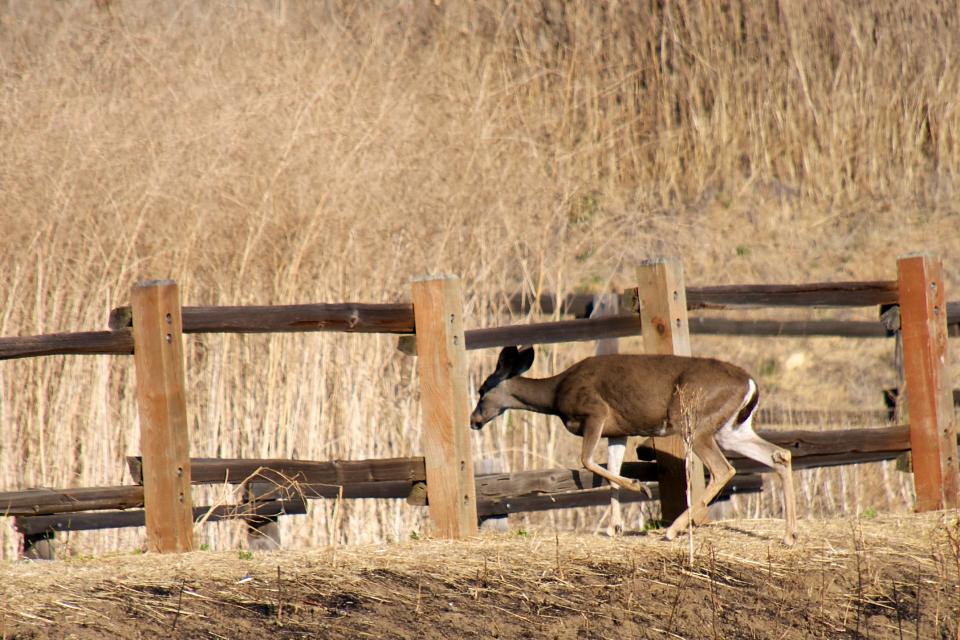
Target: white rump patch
(729,434)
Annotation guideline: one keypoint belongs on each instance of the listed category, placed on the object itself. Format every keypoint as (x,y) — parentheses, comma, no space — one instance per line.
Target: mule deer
(615,396)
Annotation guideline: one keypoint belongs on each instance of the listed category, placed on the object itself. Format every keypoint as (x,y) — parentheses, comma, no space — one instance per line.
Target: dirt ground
(882,577)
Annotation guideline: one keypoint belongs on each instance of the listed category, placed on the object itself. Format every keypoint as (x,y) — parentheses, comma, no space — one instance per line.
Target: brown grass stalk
(331,153)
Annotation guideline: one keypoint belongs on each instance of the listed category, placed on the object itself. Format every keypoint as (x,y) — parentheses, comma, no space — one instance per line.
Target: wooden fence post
(663,315)
(442,364)
(164,441)
(923,326)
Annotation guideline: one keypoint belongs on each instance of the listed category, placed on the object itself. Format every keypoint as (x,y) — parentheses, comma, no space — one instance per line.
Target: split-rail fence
(914,310)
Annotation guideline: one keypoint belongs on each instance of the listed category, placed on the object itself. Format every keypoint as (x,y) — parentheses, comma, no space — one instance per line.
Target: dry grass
(889,577)
(276,152)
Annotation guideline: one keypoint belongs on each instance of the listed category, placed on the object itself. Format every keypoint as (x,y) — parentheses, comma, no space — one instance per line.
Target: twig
(676,603)
(713,591)
(279,599)
(176,616)
(559,568)
(896,607)
(669,633)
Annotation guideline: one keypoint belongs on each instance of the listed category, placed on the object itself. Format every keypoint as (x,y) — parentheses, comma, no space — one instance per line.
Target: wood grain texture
(164,441)
(442,365)
(929,399)
(810,449)
(358,318)
(663,315)
(262,511)
(334,472)
(498,505)
(811,294)
(47,501)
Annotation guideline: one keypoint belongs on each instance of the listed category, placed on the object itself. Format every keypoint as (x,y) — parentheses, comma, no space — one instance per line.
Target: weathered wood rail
(922,317)
(398,319)
(78,521)
(45,510)
(814,294)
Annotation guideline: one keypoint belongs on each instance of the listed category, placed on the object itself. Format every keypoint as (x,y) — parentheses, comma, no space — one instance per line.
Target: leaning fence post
(663,316)
(164,441)
(933,437)
(442,364)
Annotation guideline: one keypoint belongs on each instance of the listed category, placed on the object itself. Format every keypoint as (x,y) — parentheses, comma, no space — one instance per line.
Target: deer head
(495,397)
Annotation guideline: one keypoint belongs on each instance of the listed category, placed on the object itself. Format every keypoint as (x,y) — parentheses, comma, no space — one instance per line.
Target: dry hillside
(279,152)
(885,578)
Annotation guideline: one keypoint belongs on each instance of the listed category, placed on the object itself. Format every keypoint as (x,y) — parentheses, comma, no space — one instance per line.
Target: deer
(616,396)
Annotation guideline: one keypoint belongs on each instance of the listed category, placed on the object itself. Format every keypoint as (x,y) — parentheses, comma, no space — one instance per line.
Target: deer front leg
(616,448)
(592,432)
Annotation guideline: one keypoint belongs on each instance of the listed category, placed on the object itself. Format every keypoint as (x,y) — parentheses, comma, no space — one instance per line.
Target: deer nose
(476,423)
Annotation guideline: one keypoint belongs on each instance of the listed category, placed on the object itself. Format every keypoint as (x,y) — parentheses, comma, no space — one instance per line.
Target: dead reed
(276,152)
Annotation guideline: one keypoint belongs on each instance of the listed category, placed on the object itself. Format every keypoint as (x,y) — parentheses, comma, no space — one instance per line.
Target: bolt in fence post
(665,328)
(442,364)
(164,440)
(933,436)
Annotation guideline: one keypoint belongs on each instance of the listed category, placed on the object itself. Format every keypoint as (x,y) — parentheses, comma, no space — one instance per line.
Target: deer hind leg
(744,440)
(616,448)
(720,470)
(592,432)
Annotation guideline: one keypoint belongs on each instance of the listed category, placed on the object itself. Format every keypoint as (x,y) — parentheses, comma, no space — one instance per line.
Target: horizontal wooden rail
(593,496)
(337,472)
(398,319)
(34,525)
(342,317)
(121,342)
(814,294)
(812,449)
(53,344)
(394,478)
(786,328)
(624,325)
(47,501)
(349,317)
(360,478)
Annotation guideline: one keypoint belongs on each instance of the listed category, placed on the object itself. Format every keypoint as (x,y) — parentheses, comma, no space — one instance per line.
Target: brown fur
(613,396)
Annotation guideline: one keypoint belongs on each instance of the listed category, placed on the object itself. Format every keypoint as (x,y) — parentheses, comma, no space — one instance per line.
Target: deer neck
(531,394)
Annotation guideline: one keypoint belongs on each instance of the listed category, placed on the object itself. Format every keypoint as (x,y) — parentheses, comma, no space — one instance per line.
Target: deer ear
(505,363)
(522,362)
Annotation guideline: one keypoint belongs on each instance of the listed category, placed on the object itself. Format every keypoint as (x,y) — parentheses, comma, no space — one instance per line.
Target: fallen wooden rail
(394,478)
(49,501)
(812,449)
(591,497)
(76,521)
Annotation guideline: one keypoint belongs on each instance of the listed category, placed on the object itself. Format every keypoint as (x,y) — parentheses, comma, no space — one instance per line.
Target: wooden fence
(151,329)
